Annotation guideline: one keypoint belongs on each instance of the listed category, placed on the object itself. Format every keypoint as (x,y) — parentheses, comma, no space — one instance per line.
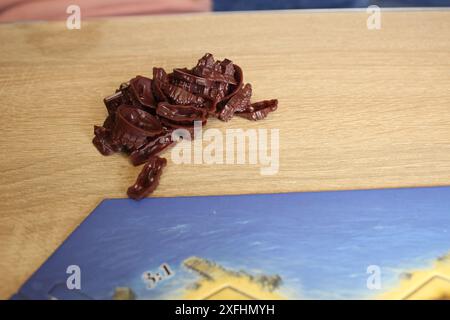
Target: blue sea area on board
(320,243)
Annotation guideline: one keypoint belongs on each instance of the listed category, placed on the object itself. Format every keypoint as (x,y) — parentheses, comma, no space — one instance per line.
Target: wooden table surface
(358,109)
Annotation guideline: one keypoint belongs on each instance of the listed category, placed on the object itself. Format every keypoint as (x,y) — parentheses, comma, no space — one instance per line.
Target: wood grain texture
(357,109)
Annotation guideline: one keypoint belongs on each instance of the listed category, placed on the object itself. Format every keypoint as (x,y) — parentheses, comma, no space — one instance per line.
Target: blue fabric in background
(240,5)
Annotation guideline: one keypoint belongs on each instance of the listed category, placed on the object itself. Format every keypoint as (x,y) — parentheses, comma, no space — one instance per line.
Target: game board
(368,244)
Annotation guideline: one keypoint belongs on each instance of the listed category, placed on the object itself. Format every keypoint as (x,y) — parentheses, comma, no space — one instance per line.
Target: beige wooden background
(357,109)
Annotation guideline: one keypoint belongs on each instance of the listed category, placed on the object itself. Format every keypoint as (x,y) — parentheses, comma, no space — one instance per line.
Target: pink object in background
(19,10)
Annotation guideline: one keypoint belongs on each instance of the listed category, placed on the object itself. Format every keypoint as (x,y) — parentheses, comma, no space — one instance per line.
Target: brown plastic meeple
(133,126)
(259,110)
(148,179)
